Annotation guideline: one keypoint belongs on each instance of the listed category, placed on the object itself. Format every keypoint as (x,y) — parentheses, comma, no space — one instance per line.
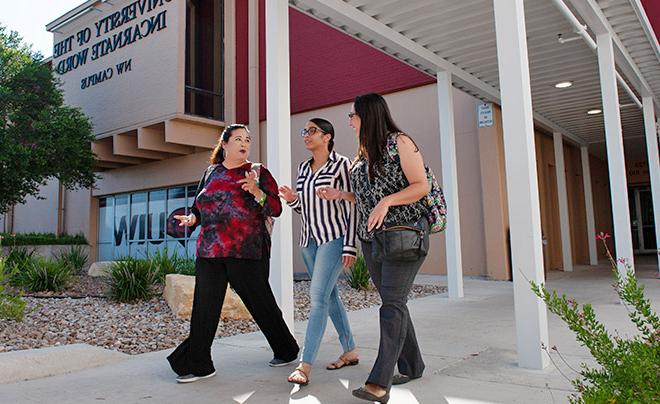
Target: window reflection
(135,224)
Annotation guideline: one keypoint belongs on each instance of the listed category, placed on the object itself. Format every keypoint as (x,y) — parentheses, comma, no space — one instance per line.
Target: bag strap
(392,151)
(209,170)
(257,167)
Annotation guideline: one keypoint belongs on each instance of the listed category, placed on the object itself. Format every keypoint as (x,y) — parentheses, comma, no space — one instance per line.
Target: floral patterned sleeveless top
(370,191)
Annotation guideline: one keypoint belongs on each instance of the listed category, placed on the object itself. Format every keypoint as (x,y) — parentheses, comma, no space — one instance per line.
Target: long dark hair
(326,127)
(217,156)
(375,124)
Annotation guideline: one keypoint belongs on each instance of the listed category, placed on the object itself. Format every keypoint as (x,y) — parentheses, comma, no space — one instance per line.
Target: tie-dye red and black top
(232,220)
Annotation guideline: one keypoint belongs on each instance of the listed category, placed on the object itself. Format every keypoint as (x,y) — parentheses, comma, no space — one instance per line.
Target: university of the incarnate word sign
(132,23)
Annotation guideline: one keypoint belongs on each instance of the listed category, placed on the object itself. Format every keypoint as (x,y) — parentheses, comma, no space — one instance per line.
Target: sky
(29,19)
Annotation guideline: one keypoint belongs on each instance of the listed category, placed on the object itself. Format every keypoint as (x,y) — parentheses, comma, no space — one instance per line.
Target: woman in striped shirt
(328,241)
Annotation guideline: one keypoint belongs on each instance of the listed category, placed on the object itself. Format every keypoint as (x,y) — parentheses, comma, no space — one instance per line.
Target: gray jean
(398,342)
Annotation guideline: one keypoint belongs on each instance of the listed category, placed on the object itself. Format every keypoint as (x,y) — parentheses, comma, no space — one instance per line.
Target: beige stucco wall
(76,212)
(38,215)
(159,174)
(415,111)
(153,89)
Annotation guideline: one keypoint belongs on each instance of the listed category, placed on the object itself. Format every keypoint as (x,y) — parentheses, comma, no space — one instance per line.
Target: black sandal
(402,379)
(364,394)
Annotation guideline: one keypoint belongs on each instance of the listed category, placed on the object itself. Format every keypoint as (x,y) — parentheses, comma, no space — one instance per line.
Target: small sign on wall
(638,172)
(485,114)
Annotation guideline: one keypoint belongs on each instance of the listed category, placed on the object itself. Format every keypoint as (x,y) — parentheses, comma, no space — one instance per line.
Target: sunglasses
(310,131)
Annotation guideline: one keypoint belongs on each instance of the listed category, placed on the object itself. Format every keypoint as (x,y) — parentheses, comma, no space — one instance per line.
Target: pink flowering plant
(629,368)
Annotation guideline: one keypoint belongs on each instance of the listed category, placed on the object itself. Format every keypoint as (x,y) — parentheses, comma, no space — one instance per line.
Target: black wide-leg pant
(250,281)
(398,342)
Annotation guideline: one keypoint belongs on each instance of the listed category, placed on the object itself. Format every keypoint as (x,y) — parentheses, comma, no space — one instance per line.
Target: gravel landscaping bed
(147,326)
(80,286)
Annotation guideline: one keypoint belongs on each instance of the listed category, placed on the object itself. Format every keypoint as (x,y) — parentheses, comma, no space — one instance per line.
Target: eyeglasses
(351,115)
(310,131)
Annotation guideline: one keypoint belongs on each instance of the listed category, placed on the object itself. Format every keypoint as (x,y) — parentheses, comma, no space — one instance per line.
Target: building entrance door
(641,216)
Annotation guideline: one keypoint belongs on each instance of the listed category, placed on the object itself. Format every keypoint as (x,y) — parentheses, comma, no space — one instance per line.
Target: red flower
(602,236)
(13,235)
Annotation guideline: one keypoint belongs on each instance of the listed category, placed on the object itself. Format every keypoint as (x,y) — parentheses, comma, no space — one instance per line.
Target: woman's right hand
(329,193)
(287,193)
(186,220)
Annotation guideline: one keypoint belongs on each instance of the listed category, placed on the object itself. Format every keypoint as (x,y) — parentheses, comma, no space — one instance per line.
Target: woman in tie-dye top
(233,200)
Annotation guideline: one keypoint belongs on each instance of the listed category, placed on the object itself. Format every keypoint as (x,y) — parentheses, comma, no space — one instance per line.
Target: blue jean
(324,265)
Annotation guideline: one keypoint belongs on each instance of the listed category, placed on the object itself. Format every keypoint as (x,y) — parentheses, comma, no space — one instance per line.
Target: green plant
(186,266)
(75,257)
(165,263)
(44,239)
(16,261)
(11,307)
(41,274)
(358,276)
(131,279)
(629,370)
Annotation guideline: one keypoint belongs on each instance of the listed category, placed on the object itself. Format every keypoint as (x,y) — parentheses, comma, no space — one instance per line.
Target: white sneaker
(192,378)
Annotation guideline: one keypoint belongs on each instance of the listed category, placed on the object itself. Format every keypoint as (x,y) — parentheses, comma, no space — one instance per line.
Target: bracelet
(261,200)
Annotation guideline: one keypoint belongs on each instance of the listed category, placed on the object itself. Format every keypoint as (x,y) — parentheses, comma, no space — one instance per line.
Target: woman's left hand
(250,184)
(377,215)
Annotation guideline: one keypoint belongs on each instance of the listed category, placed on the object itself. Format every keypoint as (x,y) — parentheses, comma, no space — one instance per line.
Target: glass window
(156,217)
(105,251)
(155,246)
(176,246)
(204,89)
(106,219)
(176,205)
(120,239)
(138,224)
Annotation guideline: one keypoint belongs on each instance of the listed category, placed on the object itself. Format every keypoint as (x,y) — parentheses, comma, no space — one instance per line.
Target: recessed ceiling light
(594,111)
(564,84)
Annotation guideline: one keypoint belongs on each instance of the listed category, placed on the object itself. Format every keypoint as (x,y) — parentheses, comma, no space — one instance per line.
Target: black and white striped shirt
(324,220)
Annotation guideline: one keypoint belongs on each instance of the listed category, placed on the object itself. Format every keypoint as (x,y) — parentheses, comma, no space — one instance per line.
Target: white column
(278,132)
(562,195)
(450,185)
(615,156)
(654,164)
(522,183)
(589,205)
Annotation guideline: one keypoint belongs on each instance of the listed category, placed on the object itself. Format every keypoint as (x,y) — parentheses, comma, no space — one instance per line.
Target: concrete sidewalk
(468,345)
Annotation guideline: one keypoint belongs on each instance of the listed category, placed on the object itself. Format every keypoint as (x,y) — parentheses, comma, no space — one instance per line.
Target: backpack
(436,212)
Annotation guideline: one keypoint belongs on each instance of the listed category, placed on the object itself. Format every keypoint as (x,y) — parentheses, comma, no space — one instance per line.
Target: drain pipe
(581,30)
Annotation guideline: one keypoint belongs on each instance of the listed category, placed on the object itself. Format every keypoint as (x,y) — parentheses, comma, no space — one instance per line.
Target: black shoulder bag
(403,242)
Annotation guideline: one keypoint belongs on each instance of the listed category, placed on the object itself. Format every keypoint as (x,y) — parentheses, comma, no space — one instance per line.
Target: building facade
(161,78)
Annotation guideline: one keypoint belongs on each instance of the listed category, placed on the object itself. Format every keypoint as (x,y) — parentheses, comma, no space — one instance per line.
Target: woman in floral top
(388,189)
(231,205)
